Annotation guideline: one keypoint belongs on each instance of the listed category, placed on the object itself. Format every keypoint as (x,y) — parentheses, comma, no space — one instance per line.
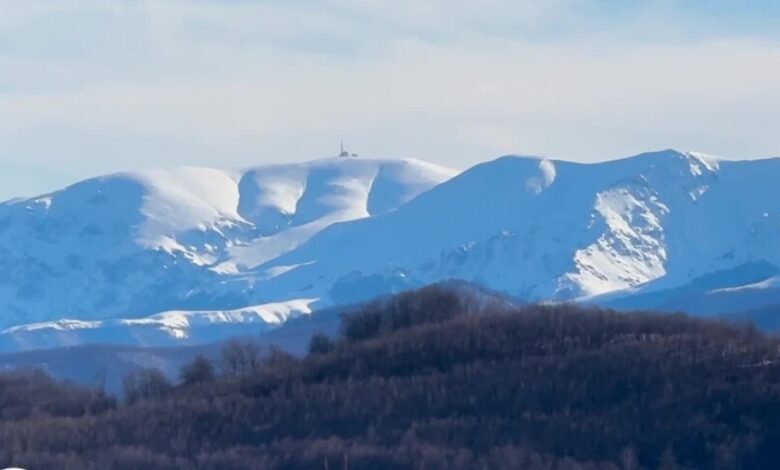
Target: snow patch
(545,177)
(66,324)
(177,323)
(699,160)
(771,283)
(697,193)
(629,251)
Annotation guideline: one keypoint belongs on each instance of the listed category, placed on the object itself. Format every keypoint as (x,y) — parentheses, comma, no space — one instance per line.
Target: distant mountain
(135,244)
(103,355)
(176,253)
(550,230)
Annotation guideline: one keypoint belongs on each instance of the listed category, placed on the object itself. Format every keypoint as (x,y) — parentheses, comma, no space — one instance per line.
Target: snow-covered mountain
(135,244)
(552,230)
(203,246)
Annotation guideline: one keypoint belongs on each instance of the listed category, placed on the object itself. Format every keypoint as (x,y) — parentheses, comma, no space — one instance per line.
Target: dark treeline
(415,382)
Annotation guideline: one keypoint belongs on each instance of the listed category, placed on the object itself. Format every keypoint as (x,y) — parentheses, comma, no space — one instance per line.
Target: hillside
(418,381)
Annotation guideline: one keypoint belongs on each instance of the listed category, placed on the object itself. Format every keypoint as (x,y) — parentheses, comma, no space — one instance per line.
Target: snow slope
(161,329)
(749,286)
(135,244)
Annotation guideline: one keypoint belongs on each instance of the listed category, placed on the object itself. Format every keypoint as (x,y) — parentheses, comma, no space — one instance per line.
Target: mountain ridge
(505,175)
(535,228)
(98,247)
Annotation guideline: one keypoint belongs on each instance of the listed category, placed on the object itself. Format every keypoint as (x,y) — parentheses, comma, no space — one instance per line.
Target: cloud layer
(88,87)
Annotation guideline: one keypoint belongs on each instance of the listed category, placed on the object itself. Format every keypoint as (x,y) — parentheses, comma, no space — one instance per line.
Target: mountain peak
(667,154)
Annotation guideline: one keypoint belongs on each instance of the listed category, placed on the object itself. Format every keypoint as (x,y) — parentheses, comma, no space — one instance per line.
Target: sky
(91,87)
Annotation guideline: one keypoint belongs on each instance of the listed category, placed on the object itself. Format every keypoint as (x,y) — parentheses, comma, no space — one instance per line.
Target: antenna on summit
(344,153)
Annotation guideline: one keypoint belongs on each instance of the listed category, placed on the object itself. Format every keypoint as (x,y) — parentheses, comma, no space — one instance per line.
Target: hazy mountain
(90,360)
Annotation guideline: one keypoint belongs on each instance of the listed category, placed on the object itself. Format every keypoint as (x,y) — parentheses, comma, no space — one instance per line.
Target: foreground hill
(418,381)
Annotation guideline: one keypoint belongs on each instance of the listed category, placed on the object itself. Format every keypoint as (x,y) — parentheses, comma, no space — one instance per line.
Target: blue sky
(88,87)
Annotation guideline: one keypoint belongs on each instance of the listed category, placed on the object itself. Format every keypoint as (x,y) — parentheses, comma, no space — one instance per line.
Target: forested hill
(416,382)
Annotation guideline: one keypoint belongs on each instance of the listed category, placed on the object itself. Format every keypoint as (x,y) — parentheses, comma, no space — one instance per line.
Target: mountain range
(190,255)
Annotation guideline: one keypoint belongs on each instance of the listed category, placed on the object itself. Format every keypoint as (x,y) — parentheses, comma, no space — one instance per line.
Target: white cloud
(92,88)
